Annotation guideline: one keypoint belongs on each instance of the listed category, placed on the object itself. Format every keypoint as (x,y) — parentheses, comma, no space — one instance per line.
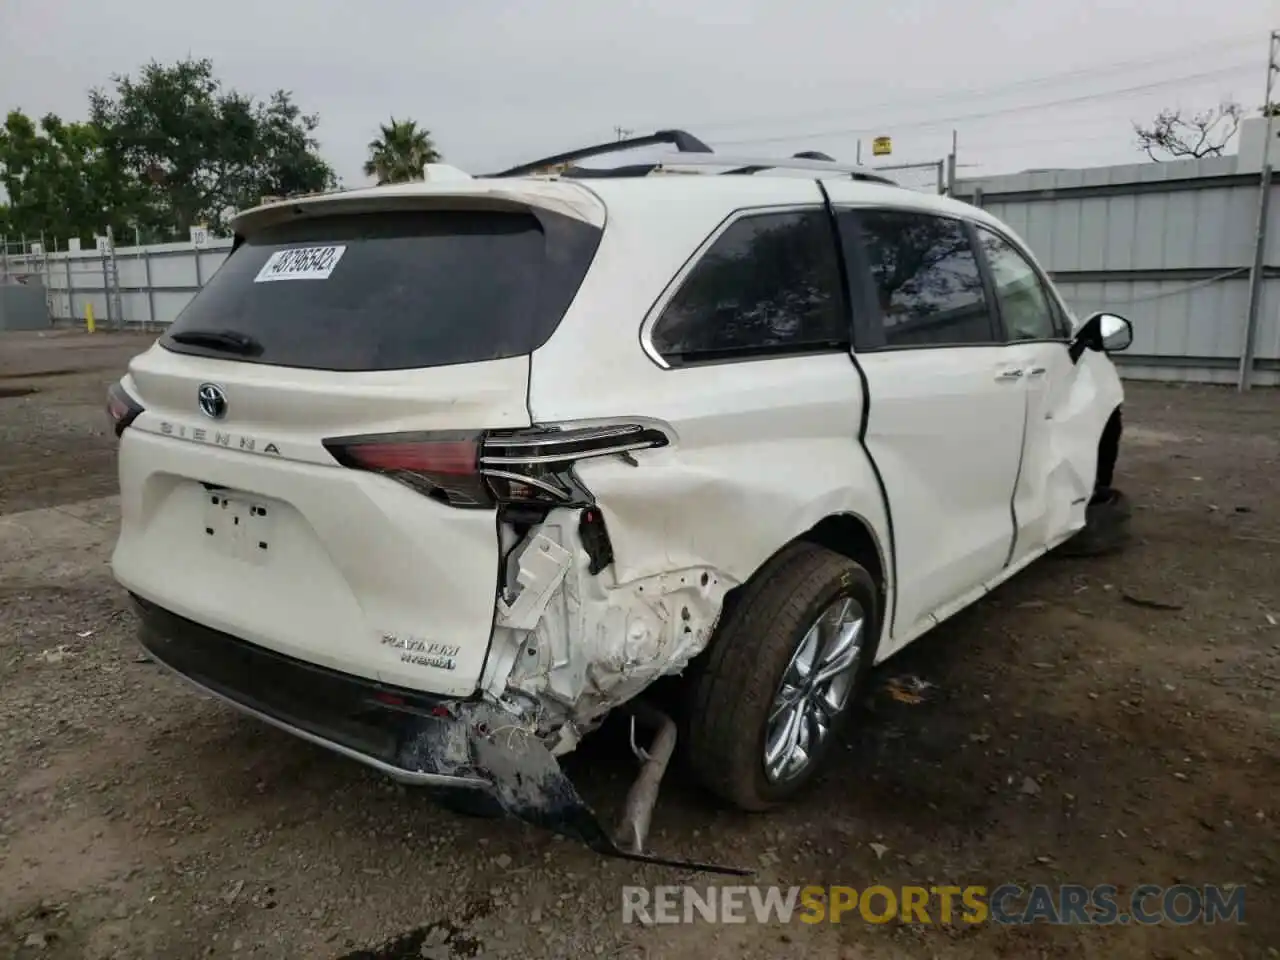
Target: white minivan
(439,474)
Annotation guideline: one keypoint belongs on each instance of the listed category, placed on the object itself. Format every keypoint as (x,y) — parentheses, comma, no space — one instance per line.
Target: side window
(925,279)
(1025,307)
(769,285)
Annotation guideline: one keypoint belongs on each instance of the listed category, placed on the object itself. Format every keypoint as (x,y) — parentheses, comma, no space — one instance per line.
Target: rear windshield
(390,291)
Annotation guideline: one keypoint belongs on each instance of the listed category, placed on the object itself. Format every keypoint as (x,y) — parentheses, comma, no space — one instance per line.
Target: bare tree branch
(1171,135)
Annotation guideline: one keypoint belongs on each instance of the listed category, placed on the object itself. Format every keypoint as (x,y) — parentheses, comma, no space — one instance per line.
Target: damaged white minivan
(439,474)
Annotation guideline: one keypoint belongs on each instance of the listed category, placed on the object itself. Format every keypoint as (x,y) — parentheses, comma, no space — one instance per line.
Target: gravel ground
(1101,721)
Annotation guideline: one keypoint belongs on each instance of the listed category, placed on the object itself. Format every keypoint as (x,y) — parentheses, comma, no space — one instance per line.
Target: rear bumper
(451,746)
(379,725)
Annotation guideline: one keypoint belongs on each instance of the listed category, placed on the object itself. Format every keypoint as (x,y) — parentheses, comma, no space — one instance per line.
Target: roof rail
(691,152)
(683,142)
(748,165)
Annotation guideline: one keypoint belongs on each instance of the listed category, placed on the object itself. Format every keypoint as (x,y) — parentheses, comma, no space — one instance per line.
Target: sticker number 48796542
(300,263)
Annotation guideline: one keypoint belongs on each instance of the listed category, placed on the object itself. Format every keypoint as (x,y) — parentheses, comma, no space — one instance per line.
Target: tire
(1106,526)
(731,696)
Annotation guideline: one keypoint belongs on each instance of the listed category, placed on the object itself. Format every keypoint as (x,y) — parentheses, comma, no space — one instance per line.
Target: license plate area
(239,525)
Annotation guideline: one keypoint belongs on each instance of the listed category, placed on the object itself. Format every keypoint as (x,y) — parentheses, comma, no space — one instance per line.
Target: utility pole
(951,165)
(622,132)
(1244,380)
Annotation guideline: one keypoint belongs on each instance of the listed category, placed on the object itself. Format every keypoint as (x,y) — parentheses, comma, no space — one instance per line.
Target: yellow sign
(881,146)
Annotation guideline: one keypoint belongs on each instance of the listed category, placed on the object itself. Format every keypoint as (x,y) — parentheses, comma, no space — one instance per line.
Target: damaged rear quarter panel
(760,452)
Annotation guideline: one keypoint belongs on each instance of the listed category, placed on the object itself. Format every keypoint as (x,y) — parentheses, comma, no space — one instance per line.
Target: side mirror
(1116,332)
(1102,331)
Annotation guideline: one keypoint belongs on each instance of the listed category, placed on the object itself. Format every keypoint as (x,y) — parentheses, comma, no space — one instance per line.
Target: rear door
(382,340)
(945,409)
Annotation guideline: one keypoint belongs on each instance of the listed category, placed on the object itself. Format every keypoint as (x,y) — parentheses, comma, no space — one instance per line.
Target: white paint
(353,555)
(983,473)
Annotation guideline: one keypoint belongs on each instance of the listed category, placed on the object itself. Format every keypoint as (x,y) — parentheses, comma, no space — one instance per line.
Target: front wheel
(1106,526)
(782,672)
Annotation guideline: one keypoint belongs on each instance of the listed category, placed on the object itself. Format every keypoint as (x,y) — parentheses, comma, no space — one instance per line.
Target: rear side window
(768,286)
(391,291)
(925,279)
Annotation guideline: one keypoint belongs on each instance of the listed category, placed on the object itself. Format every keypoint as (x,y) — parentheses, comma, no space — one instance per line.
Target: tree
(1204,134)
(400,152)
(59,180)
(188,151)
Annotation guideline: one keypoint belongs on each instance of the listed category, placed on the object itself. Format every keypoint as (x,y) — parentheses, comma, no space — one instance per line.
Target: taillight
(480,469)
(121,408)
(536,465)
(440,465)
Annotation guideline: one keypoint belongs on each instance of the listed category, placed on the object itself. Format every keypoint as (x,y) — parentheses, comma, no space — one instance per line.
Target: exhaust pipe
(526,780)
(637,812)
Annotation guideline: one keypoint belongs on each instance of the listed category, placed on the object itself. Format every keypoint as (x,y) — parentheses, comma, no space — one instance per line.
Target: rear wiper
(228,340)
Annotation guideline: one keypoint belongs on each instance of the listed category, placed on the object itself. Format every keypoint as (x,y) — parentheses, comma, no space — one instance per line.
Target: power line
(1126,66)
(996,112)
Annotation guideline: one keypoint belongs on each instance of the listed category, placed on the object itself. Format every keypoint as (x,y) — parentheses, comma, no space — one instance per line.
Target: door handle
(1009,375)
(1036,372)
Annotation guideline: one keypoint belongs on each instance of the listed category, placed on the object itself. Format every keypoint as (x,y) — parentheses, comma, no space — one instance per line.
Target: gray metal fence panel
(1168,245)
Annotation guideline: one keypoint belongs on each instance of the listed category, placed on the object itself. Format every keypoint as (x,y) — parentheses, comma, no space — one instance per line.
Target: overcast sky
(1037,83)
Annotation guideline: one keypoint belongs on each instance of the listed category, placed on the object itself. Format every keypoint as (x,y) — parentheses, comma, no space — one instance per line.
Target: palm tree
(400,152)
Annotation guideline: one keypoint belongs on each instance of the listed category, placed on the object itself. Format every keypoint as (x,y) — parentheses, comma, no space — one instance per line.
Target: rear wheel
(783,671)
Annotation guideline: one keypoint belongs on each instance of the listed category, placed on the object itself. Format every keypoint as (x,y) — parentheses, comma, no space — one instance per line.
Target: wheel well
(1108,451)
(852,536)
(844,533)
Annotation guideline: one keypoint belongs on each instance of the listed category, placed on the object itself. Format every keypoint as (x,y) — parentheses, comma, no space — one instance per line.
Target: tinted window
(390,291)
(770,284)
(925,279)
(1024,305)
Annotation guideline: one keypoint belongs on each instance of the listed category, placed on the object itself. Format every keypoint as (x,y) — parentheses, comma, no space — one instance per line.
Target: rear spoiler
(533,196)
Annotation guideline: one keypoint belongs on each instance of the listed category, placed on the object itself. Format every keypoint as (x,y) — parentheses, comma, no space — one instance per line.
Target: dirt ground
(1092,721)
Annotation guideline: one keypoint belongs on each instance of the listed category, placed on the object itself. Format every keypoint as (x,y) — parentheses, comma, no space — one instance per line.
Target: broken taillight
(121,408)
(444,466)
(532,465)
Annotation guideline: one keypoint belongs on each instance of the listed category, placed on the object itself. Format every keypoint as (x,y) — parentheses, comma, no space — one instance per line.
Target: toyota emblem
(213,400)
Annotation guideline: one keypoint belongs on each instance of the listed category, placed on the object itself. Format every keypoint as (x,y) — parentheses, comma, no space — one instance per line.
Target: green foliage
(400,152)
(59,181)
(190,150)
(161,152)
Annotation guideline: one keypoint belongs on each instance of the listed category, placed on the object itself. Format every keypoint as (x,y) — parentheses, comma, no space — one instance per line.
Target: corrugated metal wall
(1168,245)
(156,281)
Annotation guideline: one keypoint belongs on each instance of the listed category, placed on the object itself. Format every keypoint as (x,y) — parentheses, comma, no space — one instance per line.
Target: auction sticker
(300,263)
